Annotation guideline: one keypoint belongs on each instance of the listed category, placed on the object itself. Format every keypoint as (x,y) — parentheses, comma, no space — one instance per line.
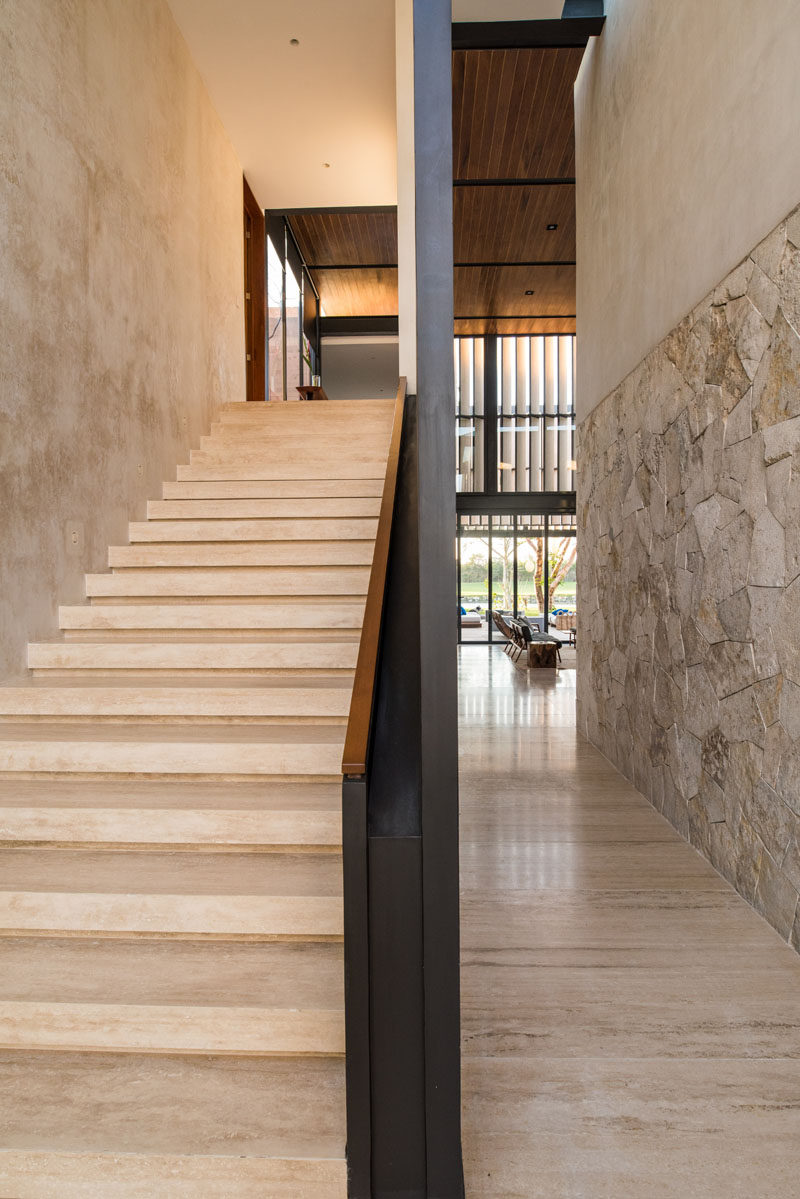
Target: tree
(559,561)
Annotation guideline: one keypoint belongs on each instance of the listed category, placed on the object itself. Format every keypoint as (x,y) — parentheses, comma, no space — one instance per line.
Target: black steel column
(437,593)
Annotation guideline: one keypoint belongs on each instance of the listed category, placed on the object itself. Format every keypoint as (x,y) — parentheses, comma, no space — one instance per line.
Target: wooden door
(255,297)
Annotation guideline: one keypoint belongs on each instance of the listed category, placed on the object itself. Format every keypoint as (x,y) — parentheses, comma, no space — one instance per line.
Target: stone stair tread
(264,489)
(154,552)
(205,973)
(153,873)
(28,1174)
(298,583)
(185,829)
(267,614)
(97,698)
(250,509)
(186,1105)
(173,794)
(168,680)
(241,662)
(131,733)
(243,1030)
(306,529)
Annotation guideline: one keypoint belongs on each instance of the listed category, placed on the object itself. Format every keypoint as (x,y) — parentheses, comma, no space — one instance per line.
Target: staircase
(171,976)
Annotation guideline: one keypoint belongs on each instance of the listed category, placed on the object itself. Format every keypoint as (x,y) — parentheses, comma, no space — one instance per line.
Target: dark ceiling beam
(588,9)
(514,182)
(568,33)
(353,326)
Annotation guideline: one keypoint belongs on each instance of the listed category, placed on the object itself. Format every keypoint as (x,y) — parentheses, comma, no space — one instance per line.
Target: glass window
(293,334)
(534,407)
(274,322)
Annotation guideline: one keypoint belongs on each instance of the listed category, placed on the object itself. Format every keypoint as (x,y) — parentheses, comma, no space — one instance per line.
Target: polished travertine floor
(631,1028)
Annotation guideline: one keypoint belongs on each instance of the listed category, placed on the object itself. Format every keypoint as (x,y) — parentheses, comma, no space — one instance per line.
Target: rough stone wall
(120,286)
(689,577)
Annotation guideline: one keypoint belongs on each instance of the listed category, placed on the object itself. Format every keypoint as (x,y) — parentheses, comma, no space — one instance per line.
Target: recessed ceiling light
(552,228)
(294,41)
(326,164)
(529,292)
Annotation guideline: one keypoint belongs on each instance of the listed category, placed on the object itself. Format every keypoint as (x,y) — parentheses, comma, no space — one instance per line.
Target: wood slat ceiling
(345,238)
(509,224)
(359,292)
(512,113)
(512,119)
(500,291)
(523,326)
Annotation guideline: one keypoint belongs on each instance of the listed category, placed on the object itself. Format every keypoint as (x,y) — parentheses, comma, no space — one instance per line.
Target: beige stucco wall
(686,128)
(120,286)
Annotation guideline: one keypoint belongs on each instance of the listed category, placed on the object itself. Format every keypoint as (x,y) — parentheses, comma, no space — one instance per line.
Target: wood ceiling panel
(509,224)
(513,113)
(359,292)
(345,238)
(518,326)
(500,291)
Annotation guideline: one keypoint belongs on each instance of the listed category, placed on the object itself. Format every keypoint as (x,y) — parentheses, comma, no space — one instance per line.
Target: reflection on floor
(631,1029)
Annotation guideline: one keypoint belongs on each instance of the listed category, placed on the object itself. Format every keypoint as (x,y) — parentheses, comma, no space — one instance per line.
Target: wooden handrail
(356,742)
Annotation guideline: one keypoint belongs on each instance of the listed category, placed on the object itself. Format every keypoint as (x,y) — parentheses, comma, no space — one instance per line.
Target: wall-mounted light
(529,292)
(552,228)
(572,464)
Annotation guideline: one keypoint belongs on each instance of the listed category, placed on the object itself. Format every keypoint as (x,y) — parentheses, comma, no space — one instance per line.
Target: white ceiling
(288,110)
(507,10)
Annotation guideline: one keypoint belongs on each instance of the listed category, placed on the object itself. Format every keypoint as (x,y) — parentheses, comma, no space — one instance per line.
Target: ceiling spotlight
(326,164)
(552,228)
(529,292)
(294,41)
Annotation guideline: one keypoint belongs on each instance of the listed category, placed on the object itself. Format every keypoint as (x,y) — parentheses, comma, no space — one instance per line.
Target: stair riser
(188,656)
(155,828)
(208,617)
(256,553)
(253,918)
(310,582)
(283,489)
(302,530)
(192,758)
(127,1028)
(255,509)
(28,1174)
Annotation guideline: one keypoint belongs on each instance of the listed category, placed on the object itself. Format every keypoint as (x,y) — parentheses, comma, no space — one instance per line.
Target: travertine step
(194,655)
(28,1174)
(283,1117)
(283,489)
(251,698)
(304,581)
(326,463)
(243,553)
(174,973)
(189,795)
(154,828)
(124,893)
(333,613)
(153,1028)
(255,509)
(302,528)
(147,874)
(335,411)
(229,750)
